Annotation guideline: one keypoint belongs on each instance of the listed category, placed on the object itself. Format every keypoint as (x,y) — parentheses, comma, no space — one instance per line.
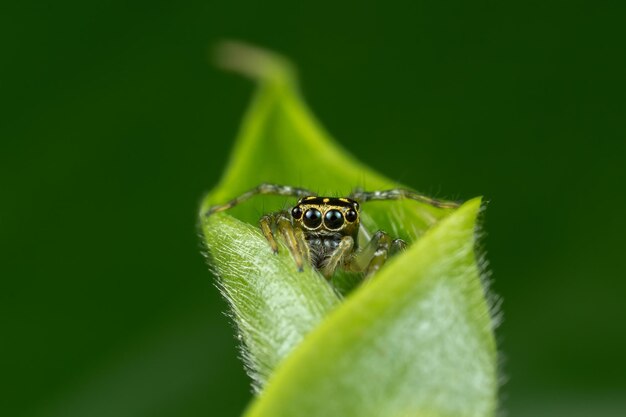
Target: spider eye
(351,215)
(312,218)
(333,219)
(296,212)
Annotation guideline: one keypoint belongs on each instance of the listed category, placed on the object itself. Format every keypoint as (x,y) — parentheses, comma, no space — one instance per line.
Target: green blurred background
(114,124)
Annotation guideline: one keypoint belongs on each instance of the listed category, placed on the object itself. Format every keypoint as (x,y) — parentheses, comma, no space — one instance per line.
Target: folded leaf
(416,340)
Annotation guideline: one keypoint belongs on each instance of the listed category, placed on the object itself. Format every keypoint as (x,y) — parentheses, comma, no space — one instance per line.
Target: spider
(323,231)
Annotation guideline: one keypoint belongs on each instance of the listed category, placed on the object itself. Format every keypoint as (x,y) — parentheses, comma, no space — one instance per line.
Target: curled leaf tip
(252,61)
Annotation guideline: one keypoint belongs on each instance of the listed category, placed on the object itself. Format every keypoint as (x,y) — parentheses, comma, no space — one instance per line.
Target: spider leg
(286,229)
(400,194)
(338,256)
(294,238)
(303,246)
(398,245)
(265,223)
(263,189)
(361,259)
(375,254)
(382,243)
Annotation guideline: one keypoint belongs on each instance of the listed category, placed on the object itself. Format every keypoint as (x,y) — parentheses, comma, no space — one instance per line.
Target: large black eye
(296,212)
(312,218)
(333,219)
(351,215)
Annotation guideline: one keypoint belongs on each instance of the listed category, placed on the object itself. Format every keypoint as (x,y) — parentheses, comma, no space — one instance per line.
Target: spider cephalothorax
(325,222)
(323,231)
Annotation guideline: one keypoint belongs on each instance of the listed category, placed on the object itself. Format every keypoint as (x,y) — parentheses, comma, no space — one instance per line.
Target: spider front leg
(293,237)
(263,189)
(339,256)
(400,194)
(375,254)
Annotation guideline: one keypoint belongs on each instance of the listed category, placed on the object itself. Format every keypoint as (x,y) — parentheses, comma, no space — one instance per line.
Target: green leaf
(416,340)
(272,303)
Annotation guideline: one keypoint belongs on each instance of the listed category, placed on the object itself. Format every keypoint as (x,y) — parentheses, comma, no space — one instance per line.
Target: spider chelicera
(323,231)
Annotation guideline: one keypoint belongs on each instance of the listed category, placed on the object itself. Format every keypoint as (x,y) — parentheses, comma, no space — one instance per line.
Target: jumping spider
(323,231)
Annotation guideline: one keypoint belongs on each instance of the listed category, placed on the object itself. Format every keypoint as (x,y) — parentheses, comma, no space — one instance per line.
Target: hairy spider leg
(341,253)
(400,194)
(294,239)
(283,221)
(263,189)
(266,223)
(303,246)
(371,258)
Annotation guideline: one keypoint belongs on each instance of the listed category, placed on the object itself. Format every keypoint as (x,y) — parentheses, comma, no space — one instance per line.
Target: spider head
(327,215)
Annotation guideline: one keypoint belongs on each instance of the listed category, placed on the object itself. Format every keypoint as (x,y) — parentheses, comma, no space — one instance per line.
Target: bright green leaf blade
(416,341)
(273,305)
